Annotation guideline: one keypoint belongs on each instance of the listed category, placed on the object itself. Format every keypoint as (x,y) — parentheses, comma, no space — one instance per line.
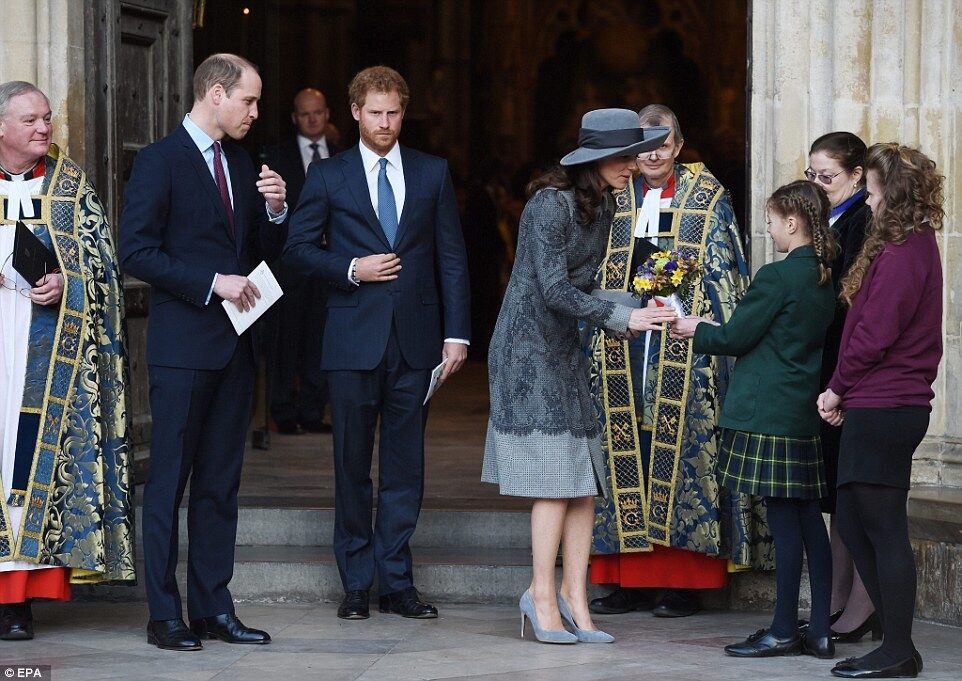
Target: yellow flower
(642,284)
(677,276)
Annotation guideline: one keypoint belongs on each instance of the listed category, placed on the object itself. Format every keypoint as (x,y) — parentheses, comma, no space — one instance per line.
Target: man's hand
(273,188)
(238,290)
(454,355)
(378,267)
(48,291)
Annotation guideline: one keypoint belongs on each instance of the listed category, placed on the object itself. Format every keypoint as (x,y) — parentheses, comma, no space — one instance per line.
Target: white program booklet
(270,291)
(435,381)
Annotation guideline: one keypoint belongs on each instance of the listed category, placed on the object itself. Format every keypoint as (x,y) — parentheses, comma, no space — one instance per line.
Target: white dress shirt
(205,143)
(307,154)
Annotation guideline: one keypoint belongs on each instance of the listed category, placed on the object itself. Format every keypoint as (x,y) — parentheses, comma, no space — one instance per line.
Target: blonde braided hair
(911,201)
(808,203)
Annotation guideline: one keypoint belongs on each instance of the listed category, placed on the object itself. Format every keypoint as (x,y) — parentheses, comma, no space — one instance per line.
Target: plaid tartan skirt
(772,465)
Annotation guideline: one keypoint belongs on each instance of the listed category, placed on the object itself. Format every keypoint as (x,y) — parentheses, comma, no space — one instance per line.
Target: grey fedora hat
(613,132)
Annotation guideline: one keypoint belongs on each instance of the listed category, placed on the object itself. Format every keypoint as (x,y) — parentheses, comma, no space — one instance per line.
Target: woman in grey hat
(543,438)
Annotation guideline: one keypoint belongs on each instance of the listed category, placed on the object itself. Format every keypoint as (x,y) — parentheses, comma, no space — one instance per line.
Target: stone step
(261,526)
(280,574)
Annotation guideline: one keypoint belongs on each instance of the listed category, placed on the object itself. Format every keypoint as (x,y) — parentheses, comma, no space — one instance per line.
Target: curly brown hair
(911,201)
(808,203)
(590,189)
(378,79)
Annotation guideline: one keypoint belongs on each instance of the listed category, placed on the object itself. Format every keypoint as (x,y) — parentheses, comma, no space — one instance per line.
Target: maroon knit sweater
(892,341)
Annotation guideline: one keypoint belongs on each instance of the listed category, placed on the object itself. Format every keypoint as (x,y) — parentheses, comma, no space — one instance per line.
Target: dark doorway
(498,87)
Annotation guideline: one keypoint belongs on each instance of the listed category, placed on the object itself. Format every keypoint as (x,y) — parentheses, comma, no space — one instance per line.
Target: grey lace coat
(544,439)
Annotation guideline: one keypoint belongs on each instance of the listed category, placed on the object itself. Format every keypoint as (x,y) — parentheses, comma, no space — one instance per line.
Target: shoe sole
(210,637)
(674,614)
(433,616)
(176,649)
(788,653)
(17,637)
(354,617)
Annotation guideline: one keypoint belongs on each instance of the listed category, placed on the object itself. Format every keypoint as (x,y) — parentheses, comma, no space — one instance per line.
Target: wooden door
(140,59)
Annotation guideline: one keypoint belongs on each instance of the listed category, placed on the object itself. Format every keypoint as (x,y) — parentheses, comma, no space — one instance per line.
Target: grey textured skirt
(544,466)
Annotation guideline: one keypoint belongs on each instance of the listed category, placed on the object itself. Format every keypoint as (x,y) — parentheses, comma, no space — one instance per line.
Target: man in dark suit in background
(379,222)
(195,222)
(294,345)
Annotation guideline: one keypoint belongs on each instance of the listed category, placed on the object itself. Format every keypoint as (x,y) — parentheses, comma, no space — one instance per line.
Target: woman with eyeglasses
(836,163)
(882,390)
(668,527)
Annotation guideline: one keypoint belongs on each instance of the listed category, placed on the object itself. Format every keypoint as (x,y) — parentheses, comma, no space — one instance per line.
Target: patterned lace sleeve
(552,221)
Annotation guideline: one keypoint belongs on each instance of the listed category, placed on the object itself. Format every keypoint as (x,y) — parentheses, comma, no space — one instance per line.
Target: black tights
(798,523)
(874,526)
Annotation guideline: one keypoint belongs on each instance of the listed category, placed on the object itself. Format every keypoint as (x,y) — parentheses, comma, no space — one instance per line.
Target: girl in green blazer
(770,444)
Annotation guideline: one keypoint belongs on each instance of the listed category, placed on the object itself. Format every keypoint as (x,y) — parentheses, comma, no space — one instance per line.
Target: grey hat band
(609,139)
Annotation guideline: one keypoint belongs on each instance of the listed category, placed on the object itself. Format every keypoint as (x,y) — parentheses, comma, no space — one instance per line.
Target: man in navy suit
(196,220)
(298,388)
(379,222)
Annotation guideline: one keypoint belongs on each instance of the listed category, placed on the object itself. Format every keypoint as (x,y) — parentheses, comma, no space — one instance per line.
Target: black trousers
(200,423)
(297,386)
(392,393)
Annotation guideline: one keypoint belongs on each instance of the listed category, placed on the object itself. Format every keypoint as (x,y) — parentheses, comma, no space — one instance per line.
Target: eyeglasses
(25,292)
(810,175)
(661,153)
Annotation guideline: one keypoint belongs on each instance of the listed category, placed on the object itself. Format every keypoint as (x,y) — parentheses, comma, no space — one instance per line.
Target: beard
(378,139)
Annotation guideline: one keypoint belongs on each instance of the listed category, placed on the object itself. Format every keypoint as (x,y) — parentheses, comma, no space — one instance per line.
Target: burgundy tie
(221,181)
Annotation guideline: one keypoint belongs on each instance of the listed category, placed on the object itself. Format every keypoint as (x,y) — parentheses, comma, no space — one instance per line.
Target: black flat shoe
(356,605)
(822,647)
(16,622)
(622,600)
(229,629)
(676,603)
(172,635)
(851,669)
(873,624)
(407,603)
(763,644)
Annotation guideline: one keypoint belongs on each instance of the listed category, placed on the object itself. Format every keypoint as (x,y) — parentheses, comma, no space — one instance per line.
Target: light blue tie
(386,205)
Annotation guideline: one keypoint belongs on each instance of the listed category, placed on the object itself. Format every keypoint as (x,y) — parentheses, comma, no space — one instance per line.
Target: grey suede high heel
(544,635)
(583,635)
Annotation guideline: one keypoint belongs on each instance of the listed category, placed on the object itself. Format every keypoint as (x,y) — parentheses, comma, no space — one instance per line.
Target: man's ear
(356,112)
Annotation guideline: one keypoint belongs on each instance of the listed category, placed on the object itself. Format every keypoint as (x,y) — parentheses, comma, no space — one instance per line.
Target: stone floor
(88,641)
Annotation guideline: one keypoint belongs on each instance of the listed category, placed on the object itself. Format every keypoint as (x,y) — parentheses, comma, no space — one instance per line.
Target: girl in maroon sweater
(881,391)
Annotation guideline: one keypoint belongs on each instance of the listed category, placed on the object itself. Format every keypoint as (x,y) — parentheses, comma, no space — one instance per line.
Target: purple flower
(671,266)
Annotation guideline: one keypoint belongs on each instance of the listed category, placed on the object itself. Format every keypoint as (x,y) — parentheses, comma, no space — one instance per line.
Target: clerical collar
(666,191)
(37,171)
(844,205)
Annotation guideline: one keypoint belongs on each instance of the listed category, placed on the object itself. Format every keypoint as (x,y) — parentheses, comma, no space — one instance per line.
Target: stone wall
(887,70)
(43,42)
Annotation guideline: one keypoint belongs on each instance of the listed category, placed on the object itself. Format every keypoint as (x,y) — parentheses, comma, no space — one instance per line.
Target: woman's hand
(650,318)
(685,327)
(828,407)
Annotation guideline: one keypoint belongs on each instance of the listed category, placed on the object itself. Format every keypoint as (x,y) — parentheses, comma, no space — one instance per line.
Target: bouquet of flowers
(666,276)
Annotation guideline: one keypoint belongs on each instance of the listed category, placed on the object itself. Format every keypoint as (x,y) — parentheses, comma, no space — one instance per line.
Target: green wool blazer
(776,333)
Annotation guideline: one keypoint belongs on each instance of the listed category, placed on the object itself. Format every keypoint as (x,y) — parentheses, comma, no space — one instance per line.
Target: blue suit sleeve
(143,223)
(310,221)
(452,262)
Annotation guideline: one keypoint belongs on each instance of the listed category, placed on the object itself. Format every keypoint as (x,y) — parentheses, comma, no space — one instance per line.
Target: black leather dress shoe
(676,603)
(622,600)
(16,622)
(822,647)
(229,629)
(356,605)
(851,669)
(172,635)
(408,603)
(763,644)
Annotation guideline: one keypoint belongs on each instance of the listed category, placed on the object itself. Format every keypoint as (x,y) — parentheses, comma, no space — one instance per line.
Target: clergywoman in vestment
(543,438)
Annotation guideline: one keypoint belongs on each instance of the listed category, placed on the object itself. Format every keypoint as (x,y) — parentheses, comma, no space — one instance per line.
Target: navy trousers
(199,430)
(392,392)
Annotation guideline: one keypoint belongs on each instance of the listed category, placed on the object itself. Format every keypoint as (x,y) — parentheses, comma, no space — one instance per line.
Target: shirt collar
(844,205)
(201,138)
(370,160)
(305,142)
